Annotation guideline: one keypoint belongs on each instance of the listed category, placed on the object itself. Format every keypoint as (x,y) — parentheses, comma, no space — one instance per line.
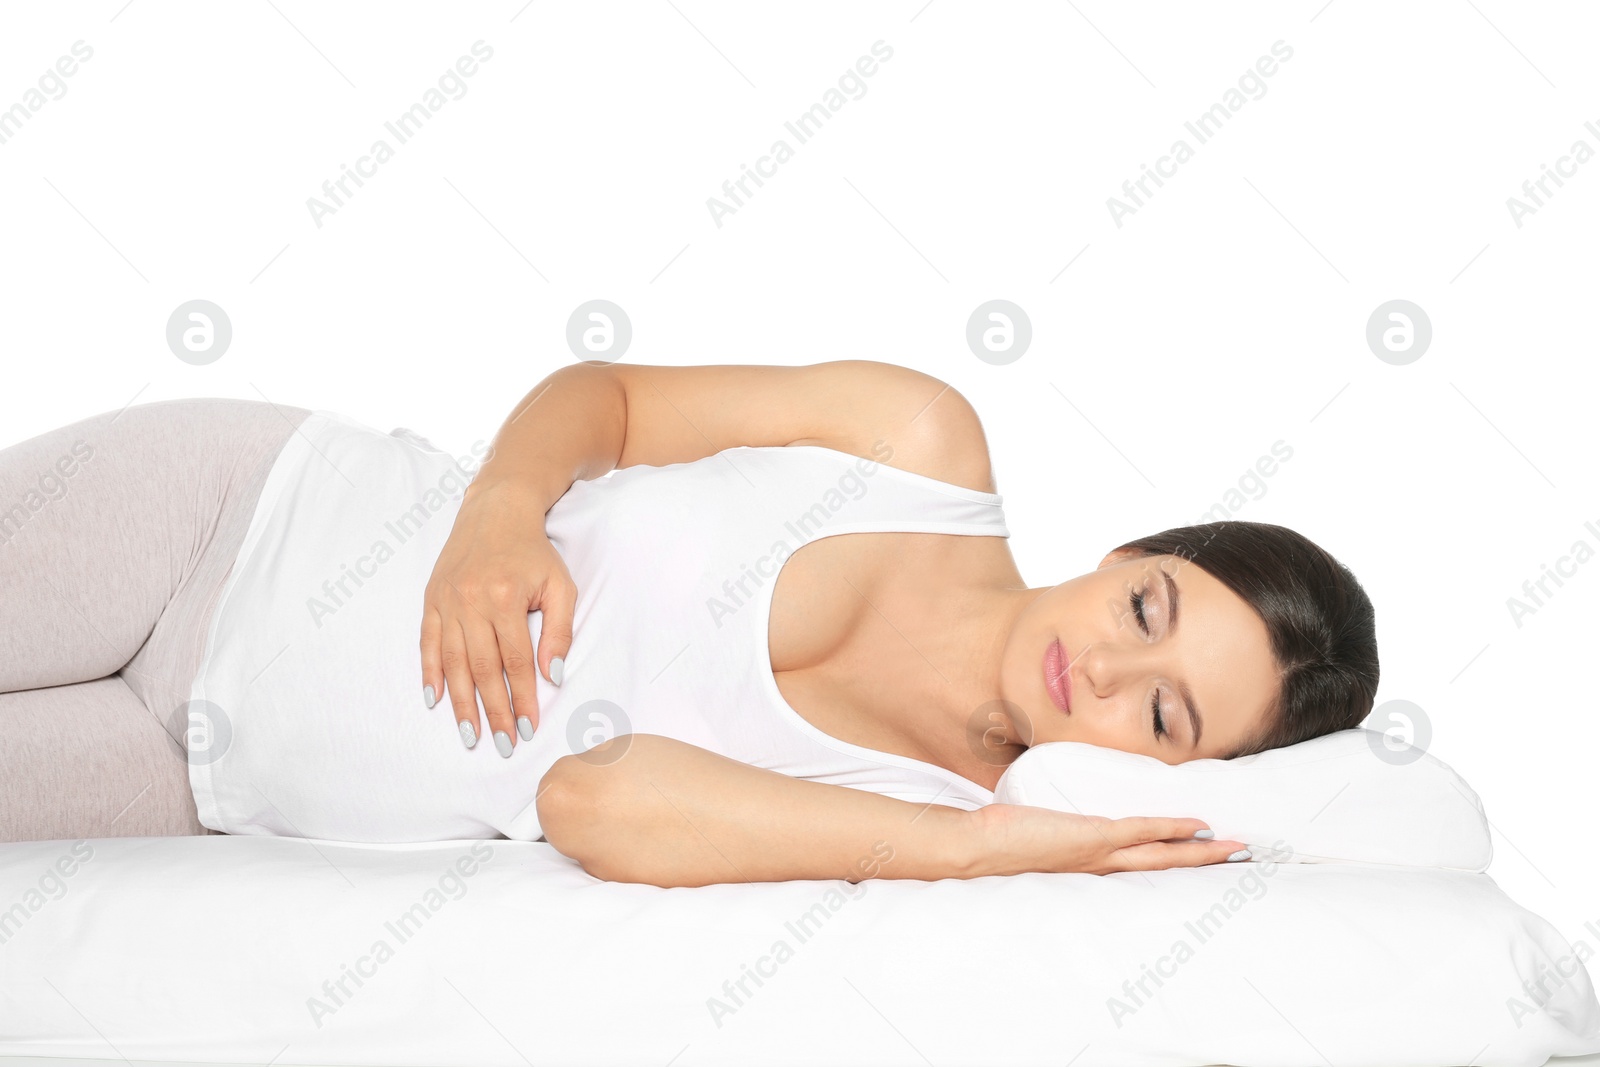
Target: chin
(1035,728)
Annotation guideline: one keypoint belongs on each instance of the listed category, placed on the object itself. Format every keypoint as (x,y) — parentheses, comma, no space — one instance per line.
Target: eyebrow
(1183,689)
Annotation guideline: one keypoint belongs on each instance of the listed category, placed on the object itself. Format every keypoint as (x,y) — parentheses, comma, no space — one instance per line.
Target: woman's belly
(312,680)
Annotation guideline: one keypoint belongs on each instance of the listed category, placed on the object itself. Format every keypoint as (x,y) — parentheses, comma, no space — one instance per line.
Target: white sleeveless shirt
(307,717)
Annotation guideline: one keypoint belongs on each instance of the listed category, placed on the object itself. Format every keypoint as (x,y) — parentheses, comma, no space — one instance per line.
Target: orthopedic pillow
(1354,796)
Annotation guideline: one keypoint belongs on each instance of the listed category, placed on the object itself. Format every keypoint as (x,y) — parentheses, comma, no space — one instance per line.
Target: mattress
(262,950)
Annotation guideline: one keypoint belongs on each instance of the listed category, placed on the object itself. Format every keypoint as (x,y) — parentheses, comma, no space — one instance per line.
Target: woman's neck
(926,662)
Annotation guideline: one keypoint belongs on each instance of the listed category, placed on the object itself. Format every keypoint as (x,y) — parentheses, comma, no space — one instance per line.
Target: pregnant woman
(784,639)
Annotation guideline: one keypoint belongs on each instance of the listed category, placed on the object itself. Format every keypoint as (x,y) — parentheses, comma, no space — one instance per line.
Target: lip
(1057,682)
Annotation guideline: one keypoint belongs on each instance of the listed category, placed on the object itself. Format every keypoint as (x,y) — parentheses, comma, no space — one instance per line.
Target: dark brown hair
(1319,619)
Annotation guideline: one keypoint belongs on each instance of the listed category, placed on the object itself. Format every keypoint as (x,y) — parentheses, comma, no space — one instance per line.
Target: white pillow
(1354,796)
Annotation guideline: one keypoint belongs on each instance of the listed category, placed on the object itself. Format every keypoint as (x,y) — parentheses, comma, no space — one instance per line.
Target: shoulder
(903,418)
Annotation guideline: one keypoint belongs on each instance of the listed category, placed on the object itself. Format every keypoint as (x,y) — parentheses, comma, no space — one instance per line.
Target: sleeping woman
(686,624)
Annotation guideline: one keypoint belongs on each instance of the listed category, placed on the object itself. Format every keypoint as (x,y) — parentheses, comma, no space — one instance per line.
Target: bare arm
(585,420)
(646,808)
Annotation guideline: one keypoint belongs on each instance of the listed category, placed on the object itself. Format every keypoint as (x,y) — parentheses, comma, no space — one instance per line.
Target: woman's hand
(497,566)
(1015,838)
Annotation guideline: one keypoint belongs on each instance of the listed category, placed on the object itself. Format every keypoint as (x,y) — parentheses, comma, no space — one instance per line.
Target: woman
(707,702)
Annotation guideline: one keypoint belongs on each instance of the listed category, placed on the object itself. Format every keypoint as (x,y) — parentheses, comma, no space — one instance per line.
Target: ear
(1118,555)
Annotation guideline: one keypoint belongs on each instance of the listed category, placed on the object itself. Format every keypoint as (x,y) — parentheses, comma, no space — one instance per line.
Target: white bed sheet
(211,950)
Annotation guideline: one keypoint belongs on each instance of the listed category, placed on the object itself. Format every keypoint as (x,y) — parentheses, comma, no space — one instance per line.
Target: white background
(1168,354)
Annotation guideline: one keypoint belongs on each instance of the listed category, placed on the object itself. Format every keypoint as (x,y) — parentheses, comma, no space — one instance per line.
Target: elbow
(593,809)
(565,810)
(576,807)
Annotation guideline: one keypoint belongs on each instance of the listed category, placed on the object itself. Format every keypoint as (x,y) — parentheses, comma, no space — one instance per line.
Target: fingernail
(502,743)
(1242,854)
(428,697)
(555,669)
(525,728)
(469,736)
(1205,835)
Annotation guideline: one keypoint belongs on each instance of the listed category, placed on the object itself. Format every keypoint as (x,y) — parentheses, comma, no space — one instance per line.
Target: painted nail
(469,736)
(556,666)
(502,743)
(427,696)
(1242,854)
(1205,835)
(525,727)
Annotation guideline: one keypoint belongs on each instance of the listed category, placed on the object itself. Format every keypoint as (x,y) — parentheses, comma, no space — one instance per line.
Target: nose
(1106,669)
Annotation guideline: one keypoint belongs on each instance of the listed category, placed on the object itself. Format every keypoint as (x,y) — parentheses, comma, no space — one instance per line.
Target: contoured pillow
(1353,796)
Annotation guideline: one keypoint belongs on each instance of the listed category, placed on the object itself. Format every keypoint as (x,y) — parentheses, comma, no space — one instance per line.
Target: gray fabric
(89,760)
(116,535)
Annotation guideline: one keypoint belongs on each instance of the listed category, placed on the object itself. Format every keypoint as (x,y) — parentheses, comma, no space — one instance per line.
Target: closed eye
(1136,601)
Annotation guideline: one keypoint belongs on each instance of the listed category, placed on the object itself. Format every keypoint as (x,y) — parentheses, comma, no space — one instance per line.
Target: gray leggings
(116,535)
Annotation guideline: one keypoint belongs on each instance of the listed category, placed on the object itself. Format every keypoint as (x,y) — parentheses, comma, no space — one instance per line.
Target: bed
(233,950)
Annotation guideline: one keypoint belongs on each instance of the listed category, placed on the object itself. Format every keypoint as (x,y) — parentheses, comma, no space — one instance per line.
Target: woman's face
(1126,688)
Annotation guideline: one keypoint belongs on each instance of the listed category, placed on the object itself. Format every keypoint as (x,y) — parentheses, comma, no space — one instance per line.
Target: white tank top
(315,726)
